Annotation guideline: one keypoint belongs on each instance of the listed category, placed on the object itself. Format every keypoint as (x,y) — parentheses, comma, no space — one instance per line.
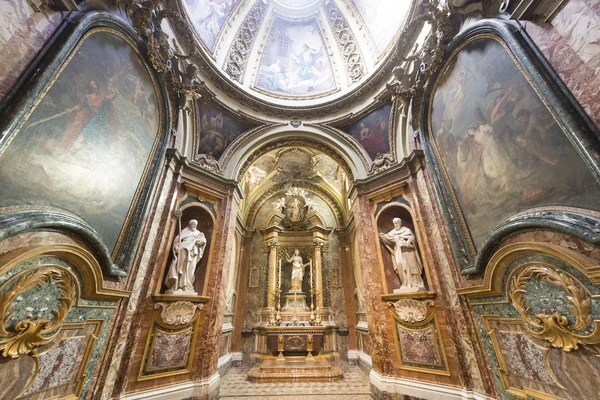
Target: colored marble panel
(216,129)
(570,44)
(209,16)
(57,365)
(523,358)
(372,131)
(418,347)
(295,61)
(501,148)
(170,350)
(85,147)
(23,33)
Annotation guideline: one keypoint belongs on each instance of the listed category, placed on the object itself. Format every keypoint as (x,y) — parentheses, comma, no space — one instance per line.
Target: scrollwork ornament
(412,311)
(178,313)
(31,332)
(555,328)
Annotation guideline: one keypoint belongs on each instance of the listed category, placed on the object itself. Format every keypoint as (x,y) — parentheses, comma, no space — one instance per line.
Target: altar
(295,335)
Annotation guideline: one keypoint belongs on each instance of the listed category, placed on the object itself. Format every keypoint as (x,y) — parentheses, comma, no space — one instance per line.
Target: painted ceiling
(297,49)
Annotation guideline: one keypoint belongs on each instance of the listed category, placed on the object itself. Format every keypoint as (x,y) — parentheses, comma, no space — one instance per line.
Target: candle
(280,273)
(311,275)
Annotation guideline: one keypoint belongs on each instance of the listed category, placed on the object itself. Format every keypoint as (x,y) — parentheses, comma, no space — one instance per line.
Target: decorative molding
(422,390)
(346,41)
(381,163)
(412,311)
(556,328)
(178,313)
(199,388)
(33,331)
(207,162)
(243,42)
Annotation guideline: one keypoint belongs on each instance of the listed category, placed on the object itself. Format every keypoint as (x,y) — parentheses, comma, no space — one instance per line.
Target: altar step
(295,371)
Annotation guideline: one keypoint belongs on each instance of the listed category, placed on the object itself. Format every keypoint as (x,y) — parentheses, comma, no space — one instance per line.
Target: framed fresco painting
(373,130)
(88,143)
(499,141)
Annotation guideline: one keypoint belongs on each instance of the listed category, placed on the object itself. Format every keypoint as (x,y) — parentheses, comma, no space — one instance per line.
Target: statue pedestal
(295,300)
(182,292)
(409,290)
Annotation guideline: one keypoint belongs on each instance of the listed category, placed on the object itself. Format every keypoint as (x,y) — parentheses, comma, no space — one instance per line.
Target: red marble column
(348,281)
(241,291)
(210,337)
(378,317)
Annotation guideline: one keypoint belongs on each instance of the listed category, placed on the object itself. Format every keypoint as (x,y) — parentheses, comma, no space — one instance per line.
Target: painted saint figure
(400,242)
(188,249)
(97,110)
(297,270)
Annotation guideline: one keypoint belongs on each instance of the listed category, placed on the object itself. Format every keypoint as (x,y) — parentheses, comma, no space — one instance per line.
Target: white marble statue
(297,270)
(188,249)
(400,242)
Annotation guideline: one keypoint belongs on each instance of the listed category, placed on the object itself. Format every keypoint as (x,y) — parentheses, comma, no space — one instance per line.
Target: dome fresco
(297,49)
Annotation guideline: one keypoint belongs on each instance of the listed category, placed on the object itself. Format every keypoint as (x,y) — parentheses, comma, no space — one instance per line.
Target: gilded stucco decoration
(346,41)
(237,57)
(412,311)
(178,313)
(555,328)
(22,337)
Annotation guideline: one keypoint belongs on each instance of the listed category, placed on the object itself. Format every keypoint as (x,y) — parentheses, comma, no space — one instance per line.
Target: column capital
(321,244)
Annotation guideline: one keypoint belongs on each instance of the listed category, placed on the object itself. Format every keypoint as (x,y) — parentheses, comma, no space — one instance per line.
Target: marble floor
(354,386)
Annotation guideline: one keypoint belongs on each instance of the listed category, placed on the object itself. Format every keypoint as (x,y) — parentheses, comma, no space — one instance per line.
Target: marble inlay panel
(523,358)
(170,350)
(58,364)
(418,347)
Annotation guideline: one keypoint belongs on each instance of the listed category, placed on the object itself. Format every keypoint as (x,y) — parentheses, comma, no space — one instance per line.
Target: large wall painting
(23,33)
(502,150)
(85,146)
(295,61)
(372,131)
(383,20)
(216,129)
(208,16)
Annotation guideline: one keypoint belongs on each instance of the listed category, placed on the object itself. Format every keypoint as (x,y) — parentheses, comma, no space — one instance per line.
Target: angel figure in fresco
(298,266)
(212,22)
(188,249)
(307,59)
(401,243)
(96,111)
(212,139)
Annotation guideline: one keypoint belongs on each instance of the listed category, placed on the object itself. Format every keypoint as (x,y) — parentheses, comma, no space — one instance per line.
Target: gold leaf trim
(33,332)
(555,328)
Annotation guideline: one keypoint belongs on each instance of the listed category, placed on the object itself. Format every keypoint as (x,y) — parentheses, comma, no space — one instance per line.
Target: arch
(331,141)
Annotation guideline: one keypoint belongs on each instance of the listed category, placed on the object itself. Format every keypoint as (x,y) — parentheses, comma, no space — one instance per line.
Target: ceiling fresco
(383,20)
(297,49)
(295,60)
(208,16)
(280,166)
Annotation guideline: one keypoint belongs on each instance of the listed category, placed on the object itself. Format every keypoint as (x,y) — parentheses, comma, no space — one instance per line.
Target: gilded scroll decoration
(178,313)
(412,311)
(555,328)
(33,331)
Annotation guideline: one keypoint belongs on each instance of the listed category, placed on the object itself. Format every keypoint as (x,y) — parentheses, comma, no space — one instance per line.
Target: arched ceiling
(297,51)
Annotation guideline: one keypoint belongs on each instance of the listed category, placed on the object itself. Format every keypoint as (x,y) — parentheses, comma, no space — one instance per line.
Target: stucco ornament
(33,331)
(555,327)
(178,313)
(412,311)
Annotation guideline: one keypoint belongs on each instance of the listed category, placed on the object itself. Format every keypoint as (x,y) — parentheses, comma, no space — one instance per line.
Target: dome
(296,53)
